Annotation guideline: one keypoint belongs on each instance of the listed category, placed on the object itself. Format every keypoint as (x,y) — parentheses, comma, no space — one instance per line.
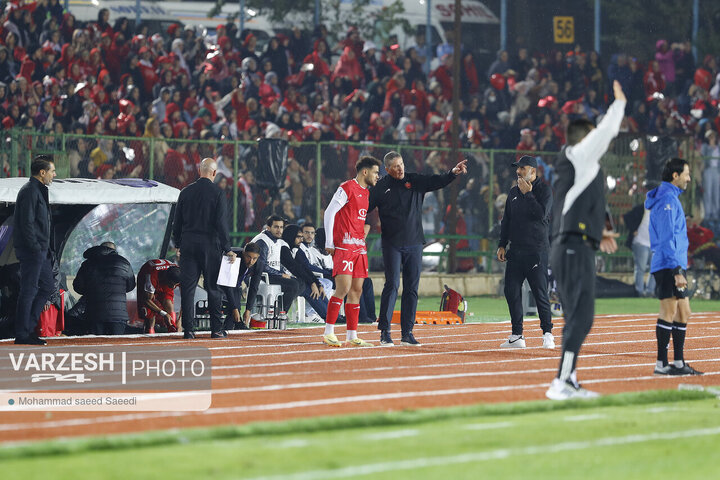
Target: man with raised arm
(581,225)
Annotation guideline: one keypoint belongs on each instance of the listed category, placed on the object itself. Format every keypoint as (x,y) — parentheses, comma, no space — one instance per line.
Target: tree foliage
(373,22)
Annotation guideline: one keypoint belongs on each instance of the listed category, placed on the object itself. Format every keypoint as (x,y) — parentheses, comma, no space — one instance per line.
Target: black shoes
(684,370)
(409,341)
(219,334)
(188,335)
(385,338)
(31,340)
(672,370)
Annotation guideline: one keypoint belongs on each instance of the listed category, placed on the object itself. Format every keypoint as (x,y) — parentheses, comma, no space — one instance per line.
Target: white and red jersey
(148,280)
(345,218)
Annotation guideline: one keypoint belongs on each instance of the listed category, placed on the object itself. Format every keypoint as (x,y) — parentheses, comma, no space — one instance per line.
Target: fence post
(64,152)
(151,167)
(318,184)
(491,213)
(236,161)
(14,153)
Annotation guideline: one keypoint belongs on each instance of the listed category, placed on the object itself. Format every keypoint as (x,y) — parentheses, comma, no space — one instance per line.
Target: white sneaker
(560,390)
(515,341)
(548,340)
(314,318)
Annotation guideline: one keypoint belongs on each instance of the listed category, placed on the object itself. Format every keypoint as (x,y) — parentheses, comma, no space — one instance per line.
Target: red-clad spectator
(376,129)
(238,104)
(99,96)
(102,26)
(349,70)
(352,39)
(443,74)
(177,165)
(319,67)
(420,98)
(527,143)
(654,80)
(469,75)
(181,130)
(116,55)
(173,116)
(397,95)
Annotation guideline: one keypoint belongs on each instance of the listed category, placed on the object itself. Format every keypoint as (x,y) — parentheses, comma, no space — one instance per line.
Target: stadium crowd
(59,76)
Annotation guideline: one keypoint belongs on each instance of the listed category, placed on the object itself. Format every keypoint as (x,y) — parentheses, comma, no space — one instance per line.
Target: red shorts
(346,262)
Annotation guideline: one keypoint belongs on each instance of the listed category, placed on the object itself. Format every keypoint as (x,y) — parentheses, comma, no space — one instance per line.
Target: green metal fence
(316,169)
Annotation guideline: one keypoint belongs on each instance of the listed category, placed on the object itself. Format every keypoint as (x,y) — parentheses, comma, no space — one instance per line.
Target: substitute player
(345,224)
(156,283)
(669,243)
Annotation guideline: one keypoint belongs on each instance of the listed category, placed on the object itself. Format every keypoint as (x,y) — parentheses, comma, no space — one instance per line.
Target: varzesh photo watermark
(105,378)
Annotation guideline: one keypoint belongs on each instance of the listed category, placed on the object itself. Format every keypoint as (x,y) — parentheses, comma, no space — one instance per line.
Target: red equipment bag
(52,321)
(452,301)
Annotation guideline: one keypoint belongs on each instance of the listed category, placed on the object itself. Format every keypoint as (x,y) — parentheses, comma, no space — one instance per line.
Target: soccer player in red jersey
(156,283)
(345,241)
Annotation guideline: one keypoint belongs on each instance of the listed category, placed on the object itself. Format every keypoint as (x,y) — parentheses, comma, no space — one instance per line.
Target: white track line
(605,319)
(297,404)
(497,454)
(422,365)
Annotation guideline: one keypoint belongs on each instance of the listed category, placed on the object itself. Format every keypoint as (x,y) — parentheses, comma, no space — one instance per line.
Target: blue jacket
(668,230)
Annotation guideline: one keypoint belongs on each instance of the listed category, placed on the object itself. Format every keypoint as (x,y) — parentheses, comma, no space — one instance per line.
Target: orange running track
(270,375)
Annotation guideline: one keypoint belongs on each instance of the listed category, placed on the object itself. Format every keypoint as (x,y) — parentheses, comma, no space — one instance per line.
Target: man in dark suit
(32,235)
(200,231)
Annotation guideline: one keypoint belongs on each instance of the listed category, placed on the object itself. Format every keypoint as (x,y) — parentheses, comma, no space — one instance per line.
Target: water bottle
(282,320)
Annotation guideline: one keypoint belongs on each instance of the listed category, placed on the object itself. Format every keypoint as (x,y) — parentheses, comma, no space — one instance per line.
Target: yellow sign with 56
(564,29)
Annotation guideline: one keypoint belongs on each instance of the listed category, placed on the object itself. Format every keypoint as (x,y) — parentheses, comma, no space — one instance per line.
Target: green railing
(316,170)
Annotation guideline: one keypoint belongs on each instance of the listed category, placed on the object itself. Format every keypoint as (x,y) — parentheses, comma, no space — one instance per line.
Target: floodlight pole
(503,25)
(455,141)
(696,21)
(428,37)
(138,14)
(597,26)
(242,17)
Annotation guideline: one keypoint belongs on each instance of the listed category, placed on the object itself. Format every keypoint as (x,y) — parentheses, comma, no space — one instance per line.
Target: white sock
(679,363)
(351,335)
(329,329)
(659,364)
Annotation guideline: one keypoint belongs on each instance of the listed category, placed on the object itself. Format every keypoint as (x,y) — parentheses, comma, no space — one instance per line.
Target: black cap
(526,161)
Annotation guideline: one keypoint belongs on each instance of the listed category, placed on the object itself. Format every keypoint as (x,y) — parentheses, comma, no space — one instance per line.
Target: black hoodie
(104,278)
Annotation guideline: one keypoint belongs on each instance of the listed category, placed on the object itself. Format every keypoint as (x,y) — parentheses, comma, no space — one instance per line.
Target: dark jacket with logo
(31,227)
(104,279)
(399,204)
(526,219)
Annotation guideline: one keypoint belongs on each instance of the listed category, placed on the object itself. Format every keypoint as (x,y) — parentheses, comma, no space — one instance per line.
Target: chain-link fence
(298,180)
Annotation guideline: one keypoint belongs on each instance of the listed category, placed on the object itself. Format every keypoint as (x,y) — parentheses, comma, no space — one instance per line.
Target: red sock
(352,314)
(333,310)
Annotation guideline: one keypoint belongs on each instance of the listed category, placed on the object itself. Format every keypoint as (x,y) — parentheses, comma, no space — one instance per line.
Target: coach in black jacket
(399,197)
(525,226)
(200,231)
(33,247)
(104,278)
